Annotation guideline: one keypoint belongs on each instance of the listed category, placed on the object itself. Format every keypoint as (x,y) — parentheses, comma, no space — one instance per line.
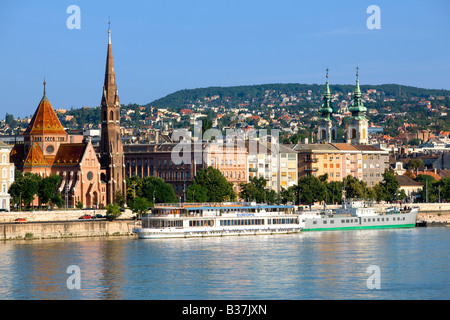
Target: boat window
(324,221)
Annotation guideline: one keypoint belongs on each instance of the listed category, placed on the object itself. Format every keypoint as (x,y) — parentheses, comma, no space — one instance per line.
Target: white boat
(357,214)
(217,219)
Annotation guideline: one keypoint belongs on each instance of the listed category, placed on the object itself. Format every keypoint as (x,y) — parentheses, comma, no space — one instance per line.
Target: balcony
(312,160)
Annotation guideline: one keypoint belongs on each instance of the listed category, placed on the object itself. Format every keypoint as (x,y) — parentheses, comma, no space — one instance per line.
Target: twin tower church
(88,176)
(357,131)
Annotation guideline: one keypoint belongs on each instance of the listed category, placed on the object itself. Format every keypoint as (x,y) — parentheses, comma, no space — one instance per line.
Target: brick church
(87,177)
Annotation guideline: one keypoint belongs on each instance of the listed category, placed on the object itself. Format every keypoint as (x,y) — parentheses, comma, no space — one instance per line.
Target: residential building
(262,162)
(7,172)
(287,167)
(375,162)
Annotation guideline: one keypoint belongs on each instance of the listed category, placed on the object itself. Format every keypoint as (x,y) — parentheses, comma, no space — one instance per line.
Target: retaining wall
(51,230)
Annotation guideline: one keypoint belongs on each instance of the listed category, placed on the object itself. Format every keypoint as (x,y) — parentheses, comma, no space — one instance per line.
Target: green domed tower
(359,124)
(327,128)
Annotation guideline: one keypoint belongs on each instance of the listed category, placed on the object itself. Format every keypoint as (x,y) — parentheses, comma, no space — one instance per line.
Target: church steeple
(327,127)
(357,109)
(358,125)
(326,109)
(111,149)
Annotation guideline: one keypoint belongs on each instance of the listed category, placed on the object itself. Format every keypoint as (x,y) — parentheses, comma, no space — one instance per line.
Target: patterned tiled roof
(45,120)
(35,157)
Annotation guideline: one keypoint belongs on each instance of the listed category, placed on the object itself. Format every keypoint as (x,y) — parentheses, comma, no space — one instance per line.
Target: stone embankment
(62,224)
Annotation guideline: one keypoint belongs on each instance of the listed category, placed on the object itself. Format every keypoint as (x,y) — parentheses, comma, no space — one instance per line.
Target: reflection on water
(315,265)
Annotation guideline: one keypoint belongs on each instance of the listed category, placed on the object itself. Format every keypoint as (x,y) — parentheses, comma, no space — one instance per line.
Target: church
(88,178)
(357,131)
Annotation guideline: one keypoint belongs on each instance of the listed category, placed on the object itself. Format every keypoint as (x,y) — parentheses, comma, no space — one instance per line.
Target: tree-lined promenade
(209,185)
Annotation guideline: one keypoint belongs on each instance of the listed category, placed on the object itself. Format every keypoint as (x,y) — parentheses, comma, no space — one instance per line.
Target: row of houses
(280,164)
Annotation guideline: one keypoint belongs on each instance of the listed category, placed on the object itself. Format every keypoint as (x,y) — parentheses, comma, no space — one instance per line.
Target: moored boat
(217,219)
(357,214)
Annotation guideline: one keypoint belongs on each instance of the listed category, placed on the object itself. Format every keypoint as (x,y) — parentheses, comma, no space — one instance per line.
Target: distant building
(7,175)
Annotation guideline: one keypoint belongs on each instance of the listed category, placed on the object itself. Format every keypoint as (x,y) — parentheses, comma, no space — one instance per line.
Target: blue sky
(162,46)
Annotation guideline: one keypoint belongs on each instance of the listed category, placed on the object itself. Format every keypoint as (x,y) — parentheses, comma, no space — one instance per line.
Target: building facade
(7,175)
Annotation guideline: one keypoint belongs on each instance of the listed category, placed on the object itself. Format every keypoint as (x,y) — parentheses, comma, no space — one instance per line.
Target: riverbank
(65,224)
(68,229)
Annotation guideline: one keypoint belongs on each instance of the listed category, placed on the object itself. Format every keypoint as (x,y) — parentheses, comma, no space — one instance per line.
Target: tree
(354,188)
(216,185)
(389,187)
(428,182)
(196,193)
(24,188)
(310,190)
(48,190)
(140,205)
(112,211)
(415,164)
(154,186)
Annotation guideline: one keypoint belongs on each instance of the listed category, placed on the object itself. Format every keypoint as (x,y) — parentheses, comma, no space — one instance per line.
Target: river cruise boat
(357,214)
(188,220)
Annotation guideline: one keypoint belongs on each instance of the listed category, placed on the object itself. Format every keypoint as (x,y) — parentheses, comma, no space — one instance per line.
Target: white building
(7,176)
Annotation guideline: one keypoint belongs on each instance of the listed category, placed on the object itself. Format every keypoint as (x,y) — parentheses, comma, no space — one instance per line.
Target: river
(365,264)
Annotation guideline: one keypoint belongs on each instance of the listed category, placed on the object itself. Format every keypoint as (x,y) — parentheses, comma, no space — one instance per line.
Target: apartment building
(7,172)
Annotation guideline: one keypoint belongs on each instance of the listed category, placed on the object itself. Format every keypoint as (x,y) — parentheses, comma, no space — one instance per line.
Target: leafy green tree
(354,188)
(217,187)
(415,164)
(333,192)
(310,190)
(196,193)
(48,190)
(140,205)
(389,187)
(163,192)
(24,188)
(112,211)
(428,182)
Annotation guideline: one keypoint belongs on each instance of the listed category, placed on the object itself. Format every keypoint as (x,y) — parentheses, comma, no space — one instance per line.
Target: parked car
(86,217)
(4,210)
(20,220)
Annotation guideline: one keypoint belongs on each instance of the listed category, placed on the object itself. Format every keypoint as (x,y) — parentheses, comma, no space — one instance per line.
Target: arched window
(333,134)
(353,136)
(364,134)
(323,135)
(111,115)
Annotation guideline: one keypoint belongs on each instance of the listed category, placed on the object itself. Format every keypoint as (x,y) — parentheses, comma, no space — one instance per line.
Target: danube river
(366,264)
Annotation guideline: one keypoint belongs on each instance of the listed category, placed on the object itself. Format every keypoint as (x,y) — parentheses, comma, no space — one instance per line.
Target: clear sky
(161,46)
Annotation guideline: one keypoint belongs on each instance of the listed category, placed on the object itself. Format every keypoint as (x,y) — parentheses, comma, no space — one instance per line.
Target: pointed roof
(110,95)
(357,109)
(326,109)
(45,120)
(35,157)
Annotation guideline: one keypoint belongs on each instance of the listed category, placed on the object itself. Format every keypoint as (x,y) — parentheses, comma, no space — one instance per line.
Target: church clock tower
(111,149)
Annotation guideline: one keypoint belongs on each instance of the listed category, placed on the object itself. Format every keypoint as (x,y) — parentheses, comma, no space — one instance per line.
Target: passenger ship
(356,214)
(217,219)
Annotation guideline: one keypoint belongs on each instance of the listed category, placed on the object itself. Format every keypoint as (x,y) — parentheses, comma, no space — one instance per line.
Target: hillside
(255,95)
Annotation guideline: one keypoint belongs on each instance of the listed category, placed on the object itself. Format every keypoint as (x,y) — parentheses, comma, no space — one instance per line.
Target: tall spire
(110,96)
(357,109)
(326,109)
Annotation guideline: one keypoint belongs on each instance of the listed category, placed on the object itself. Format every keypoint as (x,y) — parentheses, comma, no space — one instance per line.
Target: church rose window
(90,175)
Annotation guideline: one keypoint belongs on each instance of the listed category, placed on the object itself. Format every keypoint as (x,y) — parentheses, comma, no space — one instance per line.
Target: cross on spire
(44,86)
